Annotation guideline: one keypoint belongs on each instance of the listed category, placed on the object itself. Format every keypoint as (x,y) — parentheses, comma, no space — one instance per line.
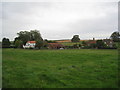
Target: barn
(55,46)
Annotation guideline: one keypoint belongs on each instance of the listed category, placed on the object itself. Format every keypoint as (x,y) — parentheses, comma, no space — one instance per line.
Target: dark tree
(50,41)
(5,43)
(15,39)
(45,43)
(39,44)
(76,45)
(84,43)
(100,44)
(18,44)
(46,40)
(25,36)
(115,36)
(75,38)
(93,45)
(35,35)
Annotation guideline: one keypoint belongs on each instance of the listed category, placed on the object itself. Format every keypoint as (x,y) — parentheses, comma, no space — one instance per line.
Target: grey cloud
(60,20)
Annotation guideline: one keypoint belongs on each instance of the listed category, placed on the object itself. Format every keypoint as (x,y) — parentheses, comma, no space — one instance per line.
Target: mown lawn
(83,68)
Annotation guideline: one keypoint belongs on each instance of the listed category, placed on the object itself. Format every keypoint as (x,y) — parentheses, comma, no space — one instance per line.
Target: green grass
(83,68)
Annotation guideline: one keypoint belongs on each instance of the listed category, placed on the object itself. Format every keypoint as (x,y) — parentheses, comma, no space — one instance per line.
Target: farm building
(108,42)
(55,46)
(30,44)
(91,42)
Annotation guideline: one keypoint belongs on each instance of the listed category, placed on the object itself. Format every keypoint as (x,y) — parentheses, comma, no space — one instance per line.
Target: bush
(5,43)
(18,44)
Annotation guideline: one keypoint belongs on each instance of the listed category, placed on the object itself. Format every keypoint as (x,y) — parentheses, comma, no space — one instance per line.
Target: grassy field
(83,68)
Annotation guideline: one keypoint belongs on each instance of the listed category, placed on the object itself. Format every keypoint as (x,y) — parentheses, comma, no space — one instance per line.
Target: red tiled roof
(91,42)
(55,45)
(31,42)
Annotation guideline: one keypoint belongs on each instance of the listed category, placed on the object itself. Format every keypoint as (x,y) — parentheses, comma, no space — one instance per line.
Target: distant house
(108,42)
(55,46)
(91,42)
(30,44)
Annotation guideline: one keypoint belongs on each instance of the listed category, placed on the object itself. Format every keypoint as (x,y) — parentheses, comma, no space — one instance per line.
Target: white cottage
(30,44)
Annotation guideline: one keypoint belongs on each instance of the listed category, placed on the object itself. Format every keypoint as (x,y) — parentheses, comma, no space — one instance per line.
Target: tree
(75,38)
(5,43)
(39,44)
(92,45)
(15,39)
(45,44)
(100,44)
(115,36)
(35,35)
(50,41)
(76,45)
(25,36)
(84,43)
(18,44)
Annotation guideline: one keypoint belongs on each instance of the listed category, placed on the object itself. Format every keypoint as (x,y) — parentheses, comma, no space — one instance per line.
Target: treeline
(99,44)
(23,37)
(115,36)
(34,35)
(112,43)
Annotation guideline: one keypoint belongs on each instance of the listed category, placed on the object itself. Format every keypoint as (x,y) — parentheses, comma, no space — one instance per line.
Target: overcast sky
(60,20)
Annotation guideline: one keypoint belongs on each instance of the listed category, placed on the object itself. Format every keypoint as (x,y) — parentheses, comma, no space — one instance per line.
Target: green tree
(50,41)
(5,43)
(100,44)
(75,38)
(93,45)
(39,44)
(25,36)
(76,45)
(18,44)
(45,43)
(84,43)
(115,36)
(35,35)
(15,39)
